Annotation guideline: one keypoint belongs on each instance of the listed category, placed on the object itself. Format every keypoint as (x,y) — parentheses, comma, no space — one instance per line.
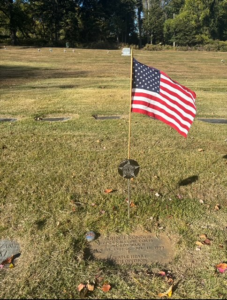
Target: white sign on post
(126,52)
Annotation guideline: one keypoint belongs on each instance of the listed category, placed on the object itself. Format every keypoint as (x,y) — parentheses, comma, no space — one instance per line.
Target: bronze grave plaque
(135,249)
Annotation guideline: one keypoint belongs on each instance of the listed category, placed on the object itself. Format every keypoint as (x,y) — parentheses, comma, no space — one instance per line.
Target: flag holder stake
(129,168)
(129,131)
(129,196)
(130,105)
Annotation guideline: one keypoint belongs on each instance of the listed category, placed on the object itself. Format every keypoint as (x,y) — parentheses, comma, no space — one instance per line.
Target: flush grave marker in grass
(52,119)
(215,121)
(105,117)
(8,249)
(137,249)
(8,120)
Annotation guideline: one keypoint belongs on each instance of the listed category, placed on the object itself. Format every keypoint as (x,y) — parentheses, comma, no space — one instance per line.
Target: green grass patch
(53,174)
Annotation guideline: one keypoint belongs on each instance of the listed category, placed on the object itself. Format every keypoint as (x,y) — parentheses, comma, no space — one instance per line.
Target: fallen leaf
(107,191)
(170,280)
(132,204)
(90,287)
(157,194)
(200,150)
(11,266)
(222,268)
(80,287)
(201,201)
(203,236)
(199,243)
(8,260)
(207,242)
(167,293)
(161,273)
(217,207)
(106,287)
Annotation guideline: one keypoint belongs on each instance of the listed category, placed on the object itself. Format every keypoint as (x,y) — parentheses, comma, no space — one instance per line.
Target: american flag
(155,94)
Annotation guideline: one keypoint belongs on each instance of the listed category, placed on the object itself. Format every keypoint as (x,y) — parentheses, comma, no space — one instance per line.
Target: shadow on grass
(193,178)
(88,256)
(188,180)
(25,72)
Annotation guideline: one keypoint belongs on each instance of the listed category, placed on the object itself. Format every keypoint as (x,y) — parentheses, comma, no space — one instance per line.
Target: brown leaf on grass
(7,261)
(222,265)
(107,191)
(203,236)
(222,268)
(80,287)
(207,242)
(167,293)
(170,280)
(199,243)
(90,287)
(217,207)
(132,204)
(106,287)
(161,273)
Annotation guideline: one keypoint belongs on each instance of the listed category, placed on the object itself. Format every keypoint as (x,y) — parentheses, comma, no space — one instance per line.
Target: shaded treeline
(138,22)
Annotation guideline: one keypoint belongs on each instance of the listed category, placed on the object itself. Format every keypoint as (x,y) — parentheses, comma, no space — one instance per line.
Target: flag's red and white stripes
(173,105)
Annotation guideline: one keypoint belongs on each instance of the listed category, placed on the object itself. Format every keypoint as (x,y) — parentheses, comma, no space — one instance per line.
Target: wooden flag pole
(129,132)
(130,106)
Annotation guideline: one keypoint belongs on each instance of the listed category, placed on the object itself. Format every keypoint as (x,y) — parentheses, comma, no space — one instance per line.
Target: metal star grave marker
(129,169)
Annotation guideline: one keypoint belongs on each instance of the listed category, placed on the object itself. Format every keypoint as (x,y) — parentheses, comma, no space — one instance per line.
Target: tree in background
(15,18)
(197,22)
(55,19)
(55,22)
(153,22)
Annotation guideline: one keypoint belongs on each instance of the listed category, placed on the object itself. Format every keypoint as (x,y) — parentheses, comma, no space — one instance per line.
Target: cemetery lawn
(53,175)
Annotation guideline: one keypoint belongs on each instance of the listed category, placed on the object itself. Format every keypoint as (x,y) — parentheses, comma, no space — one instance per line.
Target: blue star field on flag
(145,77)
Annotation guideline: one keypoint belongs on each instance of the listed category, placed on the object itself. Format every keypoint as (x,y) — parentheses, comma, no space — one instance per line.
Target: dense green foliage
(138,22)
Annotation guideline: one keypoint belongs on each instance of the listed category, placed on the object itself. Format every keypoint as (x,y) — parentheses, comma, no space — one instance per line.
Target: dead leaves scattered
(204,240)
(170,280)
(9,262)
(84,289)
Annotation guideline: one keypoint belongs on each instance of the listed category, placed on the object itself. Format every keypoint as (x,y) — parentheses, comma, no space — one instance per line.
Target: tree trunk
(12,24)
